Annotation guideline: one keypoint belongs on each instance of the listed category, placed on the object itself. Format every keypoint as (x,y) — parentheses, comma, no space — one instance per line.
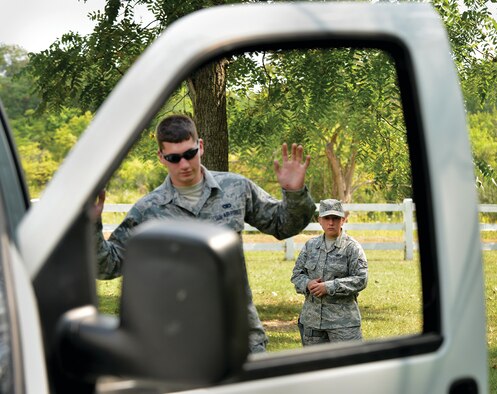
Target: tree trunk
(342,177)
(208,92)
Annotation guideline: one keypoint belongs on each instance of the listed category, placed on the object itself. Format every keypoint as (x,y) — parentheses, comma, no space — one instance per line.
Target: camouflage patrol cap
(331,207)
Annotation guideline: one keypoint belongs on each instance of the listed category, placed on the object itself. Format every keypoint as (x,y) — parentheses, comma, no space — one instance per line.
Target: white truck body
(449,356)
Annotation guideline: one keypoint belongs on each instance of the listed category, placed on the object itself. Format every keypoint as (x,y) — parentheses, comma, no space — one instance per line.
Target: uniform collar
(167,192)
(338,242)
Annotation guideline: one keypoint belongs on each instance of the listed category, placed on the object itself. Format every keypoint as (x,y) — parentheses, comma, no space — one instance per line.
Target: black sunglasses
(176,157)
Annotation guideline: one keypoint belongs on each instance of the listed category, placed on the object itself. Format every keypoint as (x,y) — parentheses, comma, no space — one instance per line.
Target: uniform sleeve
(110,252)
(357,278)
(300,277)
(280,218)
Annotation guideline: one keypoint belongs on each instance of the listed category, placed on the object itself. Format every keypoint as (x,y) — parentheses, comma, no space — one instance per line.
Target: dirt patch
(280,325)
(263,238)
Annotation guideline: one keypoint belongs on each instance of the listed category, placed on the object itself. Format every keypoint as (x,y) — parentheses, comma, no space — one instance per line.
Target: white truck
(52,337)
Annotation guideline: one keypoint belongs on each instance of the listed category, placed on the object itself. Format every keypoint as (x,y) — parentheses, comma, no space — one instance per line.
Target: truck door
(20,341)
(447,352)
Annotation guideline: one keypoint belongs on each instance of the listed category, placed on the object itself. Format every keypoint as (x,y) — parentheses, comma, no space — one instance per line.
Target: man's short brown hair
(175,129)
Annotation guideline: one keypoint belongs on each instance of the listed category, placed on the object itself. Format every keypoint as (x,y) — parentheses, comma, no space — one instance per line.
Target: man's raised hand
(98,207)
(291,172)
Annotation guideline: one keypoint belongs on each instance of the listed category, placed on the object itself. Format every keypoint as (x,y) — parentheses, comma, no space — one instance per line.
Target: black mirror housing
(194,316)
(183,313)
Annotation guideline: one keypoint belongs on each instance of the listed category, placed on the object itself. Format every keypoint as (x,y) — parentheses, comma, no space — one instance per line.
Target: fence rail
(407,226)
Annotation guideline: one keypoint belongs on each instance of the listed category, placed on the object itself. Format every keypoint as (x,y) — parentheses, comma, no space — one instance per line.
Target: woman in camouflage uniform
(330,271)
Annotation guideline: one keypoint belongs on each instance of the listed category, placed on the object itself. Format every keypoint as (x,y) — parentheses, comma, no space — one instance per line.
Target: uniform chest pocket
(337,266)
(311,263)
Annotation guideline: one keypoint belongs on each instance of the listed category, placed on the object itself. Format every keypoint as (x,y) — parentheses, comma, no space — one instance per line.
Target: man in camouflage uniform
(330,271)
(191,191)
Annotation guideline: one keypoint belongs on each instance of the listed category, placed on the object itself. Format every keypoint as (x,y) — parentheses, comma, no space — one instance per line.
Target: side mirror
(183,310)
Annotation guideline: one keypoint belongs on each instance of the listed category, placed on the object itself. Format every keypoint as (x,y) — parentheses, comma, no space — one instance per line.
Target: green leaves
(483,134)
(15,86)
(81,71)
(343,105)
(43,142)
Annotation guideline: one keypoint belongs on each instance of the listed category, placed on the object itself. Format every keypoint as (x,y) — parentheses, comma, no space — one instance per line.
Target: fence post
(408,229)
(289,249)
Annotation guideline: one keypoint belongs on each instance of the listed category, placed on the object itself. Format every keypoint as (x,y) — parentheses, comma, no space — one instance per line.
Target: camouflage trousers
(257,337)
(312,336)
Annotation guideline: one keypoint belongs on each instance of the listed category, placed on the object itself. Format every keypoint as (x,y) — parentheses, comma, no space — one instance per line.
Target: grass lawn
(490,259)
(390,305)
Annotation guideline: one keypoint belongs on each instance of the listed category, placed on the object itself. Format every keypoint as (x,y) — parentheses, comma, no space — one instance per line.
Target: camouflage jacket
(344,269)
(227,199)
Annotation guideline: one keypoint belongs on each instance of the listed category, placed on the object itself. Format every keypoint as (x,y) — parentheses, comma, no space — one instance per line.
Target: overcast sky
(35,24)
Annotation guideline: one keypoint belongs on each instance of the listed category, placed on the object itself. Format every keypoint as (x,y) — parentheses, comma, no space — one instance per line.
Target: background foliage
(343,105)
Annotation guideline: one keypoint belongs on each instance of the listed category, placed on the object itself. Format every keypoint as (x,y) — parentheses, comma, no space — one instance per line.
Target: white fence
(407,226)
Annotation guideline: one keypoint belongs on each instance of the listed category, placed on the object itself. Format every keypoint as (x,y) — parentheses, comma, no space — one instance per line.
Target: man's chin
(186,177)
(187,180)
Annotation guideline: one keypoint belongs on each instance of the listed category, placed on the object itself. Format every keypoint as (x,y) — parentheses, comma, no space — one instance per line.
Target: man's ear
(201,146)
(161,158)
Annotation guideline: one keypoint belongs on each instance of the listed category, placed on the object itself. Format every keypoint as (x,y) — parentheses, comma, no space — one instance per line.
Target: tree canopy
(15,88)
(343,106)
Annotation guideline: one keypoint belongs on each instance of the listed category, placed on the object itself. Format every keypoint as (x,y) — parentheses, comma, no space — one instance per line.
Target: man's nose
(184,163)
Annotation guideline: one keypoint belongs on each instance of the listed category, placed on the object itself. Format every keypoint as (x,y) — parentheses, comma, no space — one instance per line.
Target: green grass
(490,260)
(109,294)
(390,305)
